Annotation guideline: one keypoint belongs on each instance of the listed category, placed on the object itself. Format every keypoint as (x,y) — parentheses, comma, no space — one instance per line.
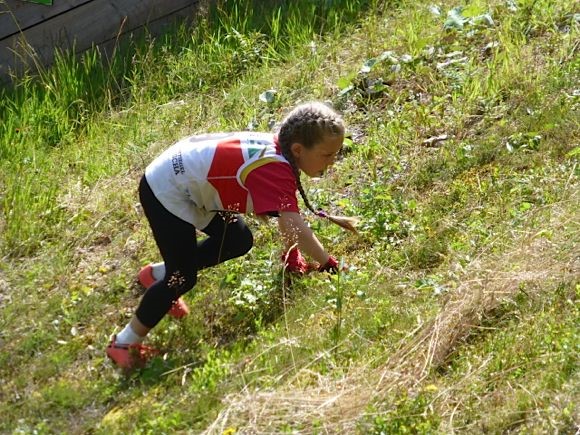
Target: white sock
(128,336)
(158,271)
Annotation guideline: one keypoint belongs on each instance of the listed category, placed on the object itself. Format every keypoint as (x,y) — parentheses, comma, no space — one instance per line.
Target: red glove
(331,265)
(294,261)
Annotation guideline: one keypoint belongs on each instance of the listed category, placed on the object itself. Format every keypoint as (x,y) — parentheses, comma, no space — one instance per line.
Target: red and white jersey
(241,172)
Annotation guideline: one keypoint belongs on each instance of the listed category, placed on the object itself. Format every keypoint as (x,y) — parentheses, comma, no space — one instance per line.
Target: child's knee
(180,281)
(246,241)
(239,240)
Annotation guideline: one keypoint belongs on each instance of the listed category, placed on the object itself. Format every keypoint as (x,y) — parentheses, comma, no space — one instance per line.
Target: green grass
(460,310)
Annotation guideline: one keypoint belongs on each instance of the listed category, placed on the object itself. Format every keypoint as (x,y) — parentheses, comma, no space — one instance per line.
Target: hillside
(459,310)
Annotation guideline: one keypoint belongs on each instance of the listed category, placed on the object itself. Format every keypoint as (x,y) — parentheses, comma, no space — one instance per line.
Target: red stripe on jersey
(227,160)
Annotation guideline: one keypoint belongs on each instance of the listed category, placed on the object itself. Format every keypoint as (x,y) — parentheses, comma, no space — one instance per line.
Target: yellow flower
(431,388)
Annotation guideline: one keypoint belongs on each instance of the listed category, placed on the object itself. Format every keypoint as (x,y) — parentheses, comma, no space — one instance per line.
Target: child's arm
(295,231)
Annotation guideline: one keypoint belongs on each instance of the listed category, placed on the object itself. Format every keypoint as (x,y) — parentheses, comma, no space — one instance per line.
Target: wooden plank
(92,23)
(17,15)
(153,27)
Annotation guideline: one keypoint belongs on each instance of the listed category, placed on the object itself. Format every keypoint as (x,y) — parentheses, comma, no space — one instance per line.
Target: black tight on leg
(183,255)
(229,238)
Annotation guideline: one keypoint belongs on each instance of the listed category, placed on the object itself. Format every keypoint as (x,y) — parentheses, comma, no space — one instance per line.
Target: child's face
(314,161)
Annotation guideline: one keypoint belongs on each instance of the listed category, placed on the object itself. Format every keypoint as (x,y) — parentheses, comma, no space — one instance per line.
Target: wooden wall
(30,32)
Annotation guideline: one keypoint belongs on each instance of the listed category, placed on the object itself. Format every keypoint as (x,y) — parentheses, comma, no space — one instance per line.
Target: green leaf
(455,20)
(575,152)
(345,81)
(345,90)
(388,55)
(512,5)
(268,96)
(485,20)
(368,66)
(529,140)
(375,87)
(435,10)
(371,63)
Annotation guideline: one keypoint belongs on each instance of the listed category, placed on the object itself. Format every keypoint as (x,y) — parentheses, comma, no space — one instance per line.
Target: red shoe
(146,277)
(130,356)
(179,309)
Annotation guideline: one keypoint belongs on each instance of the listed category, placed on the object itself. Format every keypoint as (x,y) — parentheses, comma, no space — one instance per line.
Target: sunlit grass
(49,118)
(464,174)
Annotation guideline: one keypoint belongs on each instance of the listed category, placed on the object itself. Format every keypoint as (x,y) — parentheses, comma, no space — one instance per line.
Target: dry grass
(485,284)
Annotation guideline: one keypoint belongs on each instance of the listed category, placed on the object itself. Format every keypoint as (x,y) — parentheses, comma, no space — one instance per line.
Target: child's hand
(331,265)
(295,262)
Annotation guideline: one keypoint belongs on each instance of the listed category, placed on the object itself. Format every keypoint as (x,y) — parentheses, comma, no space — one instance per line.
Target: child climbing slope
(206,182)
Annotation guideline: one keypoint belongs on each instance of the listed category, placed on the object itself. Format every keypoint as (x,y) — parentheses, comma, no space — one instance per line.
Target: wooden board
(17,15)
(84,24)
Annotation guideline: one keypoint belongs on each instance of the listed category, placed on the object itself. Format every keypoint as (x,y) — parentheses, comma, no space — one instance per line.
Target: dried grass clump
(5,295)
(76,197)
(486,284)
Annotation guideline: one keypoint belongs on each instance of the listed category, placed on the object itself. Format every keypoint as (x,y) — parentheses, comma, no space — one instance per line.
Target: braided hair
(309,124)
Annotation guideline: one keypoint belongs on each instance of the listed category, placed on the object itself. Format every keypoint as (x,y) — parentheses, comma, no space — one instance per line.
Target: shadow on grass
(157,371)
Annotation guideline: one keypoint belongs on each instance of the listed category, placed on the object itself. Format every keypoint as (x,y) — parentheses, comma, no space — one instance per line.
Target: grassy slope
(460,311)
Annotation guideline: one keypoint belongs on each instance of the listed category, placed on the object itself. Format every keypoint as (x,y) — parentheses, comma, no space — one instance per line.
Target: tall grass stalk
(338,306)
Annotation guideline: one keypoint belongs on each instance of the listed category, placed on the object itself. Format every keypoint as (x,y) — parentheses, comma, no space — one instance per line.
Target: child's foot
(149,274)
(130,356)
(179,309)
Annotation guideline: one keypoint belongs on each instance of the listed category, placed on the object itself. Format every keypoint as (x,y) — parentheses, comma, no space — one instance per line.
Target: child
(206,182)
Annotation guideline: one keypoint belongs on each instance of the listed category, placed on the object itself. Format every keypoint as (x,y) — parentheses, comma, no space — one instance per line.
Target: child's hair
(308,124)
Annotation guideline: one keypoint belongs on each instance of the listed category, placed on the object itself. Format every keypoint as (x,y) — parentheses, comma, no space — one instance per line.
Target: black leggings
(183,255)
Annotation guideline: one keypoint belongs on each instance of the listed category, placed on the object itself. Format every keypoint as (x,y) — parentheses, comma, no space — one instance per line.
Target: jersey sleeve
(273,188)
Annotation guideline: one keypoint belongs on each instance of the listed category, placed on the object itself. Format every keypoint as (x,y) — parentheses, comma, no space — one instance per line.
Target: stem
(338,325)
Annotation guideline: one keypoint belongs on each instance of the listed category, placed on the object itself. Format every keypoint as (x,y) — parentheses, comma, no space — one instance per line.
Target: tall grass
(459,311)
(48,114)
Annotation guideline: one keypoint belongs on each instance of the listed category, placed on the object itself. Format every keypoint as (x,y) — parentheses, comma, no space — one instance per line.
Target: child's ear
(296,149)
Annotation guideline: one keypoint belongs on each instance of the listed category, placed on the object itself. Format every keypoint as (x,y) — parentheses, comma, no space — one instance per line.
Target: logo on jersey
(177,162)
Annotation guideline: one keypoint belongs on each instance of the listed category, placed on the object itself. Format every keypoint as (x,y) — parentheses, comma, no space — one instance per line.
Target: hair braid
(296,171)
(308,125)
